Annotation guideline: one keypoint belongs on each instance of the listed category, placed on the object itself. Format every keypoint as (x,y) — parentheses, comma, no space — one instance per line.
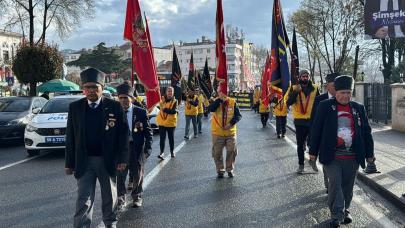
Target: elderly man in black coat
(341,136)
(140,146)
(96,147)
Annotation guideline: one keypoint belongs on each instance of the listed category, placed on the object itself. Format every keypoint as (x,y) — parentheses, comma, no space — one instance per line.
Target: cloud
(175,20)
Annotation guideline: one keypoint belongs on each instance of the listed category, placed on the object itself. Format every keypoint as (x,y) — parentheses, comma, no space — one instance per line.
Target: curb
(385,193)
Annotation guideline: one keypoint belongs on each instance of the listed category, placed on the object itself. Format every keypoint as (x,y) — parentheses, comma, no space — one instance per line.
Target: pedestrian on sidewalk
(264,111)
(200,114)
(330,93)
(96,148)
(191,112)
(280,111)
(301,97)
(140,147)
(167,121)
(341,137)
(225,115)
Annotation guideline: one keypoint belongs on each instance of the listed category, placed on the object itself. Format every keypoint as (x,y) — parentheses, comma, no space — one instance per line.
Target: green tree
(38,63)
(103,59)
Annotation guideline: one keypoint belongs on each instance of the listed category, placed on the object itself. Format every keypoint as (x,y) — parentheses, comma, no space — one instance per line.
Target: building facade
(9,43)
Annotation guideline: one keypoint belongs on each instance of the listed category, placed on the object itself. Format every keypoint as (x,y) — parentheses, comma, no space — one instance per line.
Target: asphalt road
(184,192)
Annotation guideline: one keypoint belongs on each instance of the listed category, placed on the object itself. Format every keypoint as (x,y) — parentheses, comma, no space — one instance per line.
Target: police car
(48,128)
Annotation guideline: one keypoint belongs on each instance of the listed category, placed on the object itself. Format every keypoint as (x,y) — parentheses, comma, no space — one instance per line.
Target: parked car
(47,130)
(15,113)
(152,119)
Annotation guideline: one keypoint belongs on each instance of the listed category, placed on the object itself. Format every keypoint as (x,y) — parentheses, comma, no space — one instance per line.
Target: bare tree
(62,15)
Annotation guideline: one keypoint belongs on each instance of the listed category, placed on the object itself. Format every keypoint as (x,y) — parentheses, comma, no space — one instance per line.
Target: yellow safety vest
(163,119)
(217,123)
(296,107)
(191,110)
(201,104)
(263,108)
(280,109)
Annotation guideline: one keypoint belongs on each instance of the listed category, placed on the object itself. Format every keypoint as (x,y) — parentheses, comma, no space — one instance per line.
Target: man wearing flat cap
(96,148)
(330,93)
(301,97)
(341,137)
(140,146)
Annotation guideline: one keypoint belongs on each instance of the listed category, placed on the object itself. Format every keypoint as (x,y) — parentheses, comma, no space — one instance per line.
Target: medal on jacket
(333,107)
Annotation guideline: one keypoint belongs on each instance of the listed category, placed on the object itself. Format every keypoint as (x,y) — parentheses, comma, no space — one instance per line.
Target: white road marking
(22,161)
(151,175)
(371,211)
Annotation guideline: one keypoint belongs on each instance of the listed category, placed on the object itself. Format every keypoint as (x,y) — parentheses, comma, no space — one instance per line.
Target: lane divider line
(22,161)
(150,177)
(368,208)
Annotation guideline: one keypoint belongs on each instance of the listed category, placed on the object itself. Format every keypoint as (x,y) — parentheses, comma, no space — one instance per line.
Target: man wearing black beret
(140,146)
(341,137)
(96,148)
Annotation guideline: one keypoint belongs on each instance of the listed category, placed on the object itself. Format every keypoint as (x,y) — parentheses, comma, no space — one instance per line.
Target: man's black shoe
(137,202)
(220,175)
(161,156)
(348,218)
(279,136)
(186,137)
(230,174)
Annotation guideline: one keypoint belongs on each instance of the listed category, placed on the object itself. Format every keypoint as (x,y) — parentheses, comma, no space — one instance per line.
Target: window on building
(208,50)
(6,55)
(188,52)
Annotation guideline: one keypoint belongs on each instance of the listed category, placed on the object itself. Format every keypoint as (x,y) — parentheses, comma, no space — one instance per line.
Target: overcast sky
(175,20)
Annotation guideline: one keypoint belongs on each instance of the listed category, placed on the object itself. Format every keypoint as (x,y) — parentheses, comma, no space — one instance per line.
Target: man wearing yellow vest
(191,111)
(200,114)
(301,98)
(167,121)
(264,111)
(225,115)
(280,111)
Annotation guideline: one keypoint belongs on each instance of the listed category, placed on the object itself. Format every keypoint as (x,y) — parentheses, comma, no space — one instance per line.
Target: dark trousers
(86,188)
(192,119)
(281,122)
(170,135)
(301,134)
(199,121)
(264,117)
(341,174)
(136,174)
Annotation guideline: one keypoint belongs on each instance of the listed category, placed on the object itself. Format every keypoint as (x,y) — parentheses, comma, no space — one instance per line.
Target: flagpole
(132,65)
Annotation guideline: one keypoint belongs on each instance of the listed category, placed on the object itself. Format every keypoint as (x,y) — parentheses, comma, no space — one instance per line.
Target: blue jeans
(199,121)
(194,120)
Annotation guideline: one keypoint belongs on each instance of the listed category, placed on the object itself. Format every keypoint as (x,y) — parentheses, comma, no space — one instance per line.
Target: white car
(47,130)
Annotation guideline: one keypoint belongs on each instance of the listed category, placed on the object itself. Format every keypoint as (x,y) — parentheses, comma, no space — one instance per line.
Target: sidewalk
(389,149)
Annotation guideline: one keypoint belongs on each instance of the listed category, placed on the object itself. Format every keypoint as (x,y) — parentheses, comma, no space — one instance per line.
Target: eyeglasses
(91,87)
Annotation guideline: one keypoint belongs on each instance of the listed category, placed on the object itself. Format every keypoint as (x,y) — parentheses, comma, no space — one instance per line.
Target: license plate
(54,139)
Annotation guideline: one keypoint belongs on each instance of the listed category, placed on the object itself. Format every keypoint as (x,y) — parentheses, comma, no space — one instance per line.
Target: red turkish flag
(265,80)
(221,74)
(142,52)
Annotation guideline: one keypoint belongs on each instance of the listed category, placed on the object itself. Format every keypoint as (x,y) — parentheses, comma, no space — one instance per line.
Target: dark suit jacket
(317,100)
(114,140)
(142,140)
(324,132)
